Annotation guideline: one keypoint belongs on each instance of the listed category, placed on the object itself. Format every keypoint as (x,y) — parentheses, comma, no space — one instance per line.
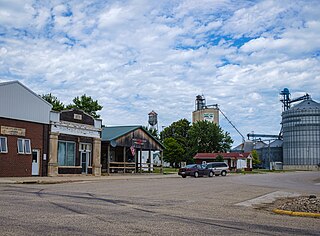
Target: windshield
(190,166)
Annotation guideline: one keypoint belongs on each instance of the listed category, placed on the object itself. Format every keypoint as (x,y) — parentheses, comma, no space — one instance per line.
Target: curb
(295,213)
(61,180)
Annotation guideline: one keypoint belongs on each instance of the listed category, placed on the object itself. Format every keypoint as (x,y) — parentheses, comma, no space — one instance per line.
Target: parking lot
(156,206)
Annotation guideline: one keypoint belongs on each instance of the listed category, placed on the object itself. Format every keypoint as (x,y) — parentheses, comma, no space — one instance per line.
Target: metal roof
(306,105)
(276,143)
(229,155)
(22,85)
(20,103)
(115,132)
(112,133)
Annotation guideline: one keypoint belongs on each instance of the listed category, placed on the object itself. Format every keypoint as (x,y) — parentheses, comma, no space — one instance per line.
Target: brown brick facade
(19,165)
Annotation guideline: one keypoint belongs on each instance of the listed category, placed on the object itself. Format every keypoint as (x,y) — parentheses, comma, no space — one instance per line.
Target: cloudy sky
(142,55)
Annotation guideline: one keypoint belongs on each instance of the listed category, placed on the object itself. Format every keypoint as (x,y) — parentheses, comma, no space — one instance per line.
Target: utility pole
(270,167)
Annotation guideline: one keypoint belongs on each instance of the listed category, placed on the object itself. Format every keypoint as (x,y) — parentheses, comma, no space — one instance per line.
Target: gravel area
(300,204)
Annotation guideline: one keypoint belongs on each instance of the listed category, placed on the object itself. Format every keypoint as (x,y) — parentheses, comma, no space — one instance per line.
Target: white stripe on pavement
(268,198)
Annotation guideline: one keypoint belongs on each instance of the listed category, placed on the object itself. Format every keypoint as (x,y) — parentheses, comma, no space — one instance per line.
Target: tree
(177,130)
(54,101)
(207,137)
(219,158)
(86,104)
(153,132)
(255,158)
(173,152)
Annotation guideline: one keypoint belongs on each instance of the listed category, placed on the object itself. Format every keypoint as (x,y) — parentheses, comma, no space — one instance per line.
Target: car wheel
(223,173)
(210,174)
(196,174)
(183,176)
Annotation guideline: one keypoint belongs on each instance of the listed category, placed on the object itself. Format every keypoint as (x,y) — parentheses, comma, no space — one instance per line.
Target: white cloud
(294,42)
(15,13)
(252,21)
(138,56)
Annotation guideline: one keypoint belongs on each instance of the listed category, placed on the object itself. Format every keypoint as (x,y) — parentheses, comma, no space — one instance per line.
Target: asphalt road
(165,206)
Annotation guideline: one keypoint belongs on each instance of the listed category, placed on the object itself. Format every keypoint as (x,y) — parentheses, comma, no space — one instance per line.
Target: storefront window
(66,153)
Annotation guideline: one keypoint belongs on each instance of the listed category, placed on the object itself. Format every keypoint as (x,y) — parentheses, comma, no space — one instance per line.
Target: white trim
(75,129)
(85,150)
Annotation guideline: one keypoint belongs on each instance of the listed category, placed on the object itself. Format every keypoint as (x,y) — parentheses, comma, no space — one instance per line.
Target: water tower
(153,120)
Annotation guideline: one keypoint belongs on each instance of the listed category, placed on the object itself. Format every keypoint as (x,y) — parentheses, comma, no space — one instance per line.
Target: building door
(84,162)
(85,156)
(35,161)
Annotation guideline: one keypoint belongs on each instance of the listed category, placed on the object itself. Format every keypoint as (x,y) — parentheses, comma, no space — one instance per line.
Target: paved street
(155,206)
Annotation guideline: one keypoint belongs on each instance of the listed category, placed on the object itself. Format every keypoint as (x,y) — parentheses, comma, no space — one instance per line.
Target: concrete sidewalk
(79,178)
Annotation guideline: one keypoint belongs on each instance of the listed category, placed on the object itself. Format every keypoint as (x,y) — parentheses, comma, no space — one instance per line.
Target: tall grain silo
(205,112)
(301,136)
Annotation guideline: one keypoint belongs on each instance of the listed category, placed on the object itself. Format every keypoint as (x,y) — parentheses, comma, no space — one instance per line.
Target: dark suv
(195,170)
(218,168)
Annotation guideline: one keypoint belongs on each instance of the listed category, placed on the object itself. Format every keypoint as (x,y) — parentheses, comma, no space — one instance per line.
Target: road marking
(268,198)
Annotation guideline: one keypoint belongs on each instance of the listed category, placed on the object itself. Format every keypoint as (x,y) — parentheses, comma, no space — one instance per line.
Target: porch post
(136,154)
(124,159)
(161,158)
(108,159)
(149,158)
(53,154)
(140,160)
(96,159)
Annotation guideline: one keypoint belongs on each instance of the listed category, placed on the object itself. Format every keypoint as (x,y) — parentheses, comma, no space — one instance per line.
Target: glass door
(35,161)
(84,162)
(85,157)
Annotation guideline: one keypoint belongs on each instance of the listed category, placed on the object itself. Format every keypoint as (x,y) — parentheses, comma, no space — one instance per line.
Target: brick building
(75,143)
(24,129)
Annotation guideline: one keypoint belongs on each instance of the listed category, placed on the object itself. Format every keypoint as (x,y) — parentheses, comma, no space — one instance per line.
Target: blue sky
(138,56)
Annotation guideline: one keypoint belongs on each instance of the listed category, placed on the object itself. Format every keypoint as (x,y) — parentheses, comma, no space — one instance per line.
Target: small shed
(123,149)
(235,160)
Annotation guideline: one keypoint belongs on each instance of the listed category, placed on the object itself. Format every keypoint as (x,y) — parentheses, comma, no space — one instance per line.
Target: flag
(133,151)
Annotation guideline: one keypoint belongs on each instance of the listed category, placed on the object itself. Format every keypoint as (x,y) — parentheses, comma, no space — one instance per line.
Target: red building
(235,160)
(24,130)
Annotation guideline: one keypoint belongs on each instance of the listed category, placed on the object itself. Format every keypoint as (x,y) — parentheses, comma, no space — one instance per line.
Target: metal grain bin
(301,136)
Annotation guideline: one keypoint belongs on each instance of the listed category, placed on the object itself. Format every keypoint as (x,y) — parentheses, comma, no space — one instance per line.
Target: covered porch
(129,149)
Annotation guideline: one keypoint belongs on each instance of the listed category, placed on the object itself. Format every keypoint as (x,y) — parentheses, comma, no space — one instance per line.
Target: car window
(190,166)
(217,165)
